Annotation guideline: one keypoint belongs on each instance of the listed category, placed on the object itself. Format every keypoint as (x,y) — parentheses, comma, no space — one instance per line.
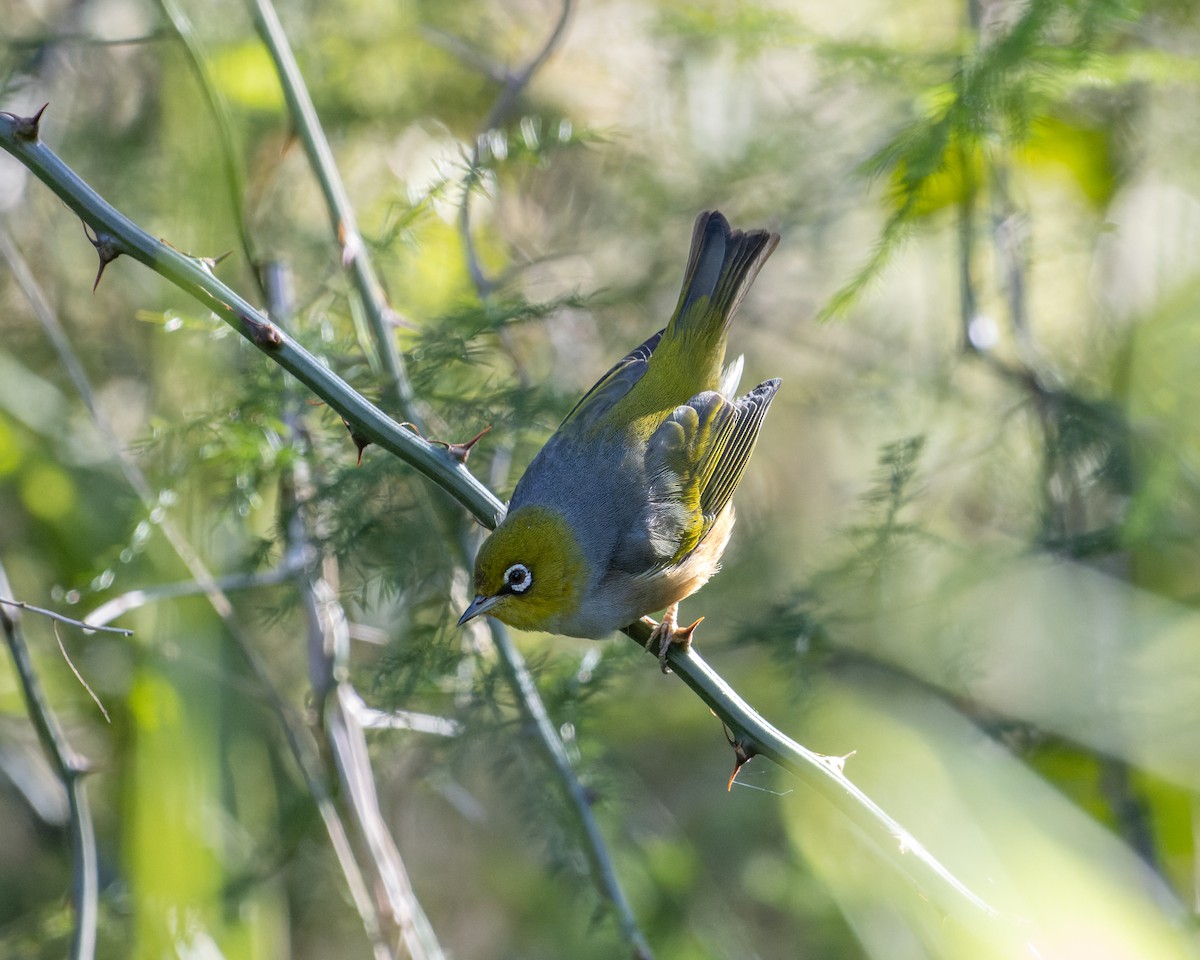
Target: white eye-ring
(517,578)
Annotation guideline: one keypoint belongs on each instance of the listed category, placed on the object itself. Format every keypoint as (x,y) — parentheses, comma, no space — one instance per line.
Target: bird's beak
(480,604)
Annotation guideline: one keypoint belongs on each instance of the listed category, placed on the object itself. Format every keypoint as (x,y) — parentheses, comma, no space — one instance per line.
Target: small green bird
(627,508)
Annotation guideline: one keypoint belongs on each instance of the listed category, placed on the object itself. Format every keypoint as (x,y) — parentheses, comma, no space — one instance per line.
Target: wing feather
(694,462)
(611,387)
(734,449)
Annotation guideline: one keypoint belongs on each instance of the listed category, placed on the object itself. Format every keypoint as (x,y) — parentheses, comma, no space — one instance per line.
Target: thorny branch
(19,137)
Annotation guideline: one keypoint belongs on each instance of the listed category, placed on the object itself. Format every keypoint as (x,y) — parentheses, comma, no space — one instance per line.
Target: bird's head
(530,572)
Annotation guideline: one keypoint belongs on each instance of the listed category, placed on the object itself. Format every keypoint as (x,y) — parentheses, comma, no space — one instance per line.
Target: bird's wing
(694,462)
(610,388)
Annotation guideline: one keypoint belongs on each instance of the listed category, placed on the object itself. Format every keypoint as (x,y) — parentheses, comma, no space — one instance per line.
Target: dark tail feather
(721,266)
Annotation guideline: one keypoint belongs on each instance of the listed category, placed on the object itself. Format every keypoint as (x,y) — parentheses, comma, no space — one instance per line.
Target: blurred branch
(71,768)
(514,84)
(135,599)
(328,644)
(595,846)
(19,137)
(225,130)
(116,234)
(1062,495)
(83,38)
(472,56)
(345,227)
(89,627)
(372,719)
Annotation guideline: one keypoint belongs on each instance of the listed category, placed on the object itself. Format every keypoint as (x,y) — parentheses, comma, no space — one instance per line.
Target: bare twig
(604,874)
(71,768)
(86,627)
(826,775)
(595,846)
(84,39)
(79,676)
(135,599)
(341,213)
(372,719)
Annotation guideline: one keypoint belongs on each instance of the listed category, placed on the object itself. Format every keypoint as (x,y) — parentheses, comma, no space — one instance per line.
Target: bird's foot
(668,632)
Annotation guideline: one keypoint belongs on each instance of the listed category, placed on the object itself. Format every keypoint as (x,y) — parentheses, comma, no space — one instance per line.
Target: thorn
(743,752)
(459,451)
(838,764)
(263,332)
(27,127)
(351,244)
(360,442)
(107,248)
(210,263)
(684,636)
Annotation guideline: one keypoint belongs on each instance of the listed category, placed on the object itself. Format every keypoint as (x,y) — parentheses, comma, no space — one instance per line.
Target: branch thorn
(459,451)
(351,244)
(107,248)
(27,127)
(360,442)
(264,333)
(744,751)
(210,263)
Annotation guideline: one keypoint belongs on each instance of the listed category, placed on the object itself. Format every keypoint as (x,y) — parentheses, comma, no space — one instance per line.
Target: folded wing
(694,462)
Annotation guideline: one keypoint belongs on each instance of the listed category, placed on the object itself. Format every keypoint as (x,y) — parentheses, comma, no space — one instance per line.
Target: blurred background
(968,545)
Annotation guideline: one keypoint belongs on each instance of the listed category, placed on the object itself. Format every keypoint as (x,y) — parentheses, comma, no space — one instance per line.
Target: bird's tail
(721,266)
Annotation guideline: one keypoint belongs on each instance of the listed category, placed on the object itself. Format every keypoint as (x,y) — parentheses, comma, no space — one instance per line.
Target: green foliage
(999,95)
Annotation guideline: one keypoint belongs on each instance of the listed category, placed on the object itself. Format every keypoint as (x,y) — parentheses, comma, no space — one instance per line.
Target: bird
(627,508)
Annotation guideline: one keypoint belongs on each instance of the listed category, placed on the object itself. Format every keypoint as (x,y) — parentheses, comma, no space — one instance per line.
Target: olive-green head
(530,573)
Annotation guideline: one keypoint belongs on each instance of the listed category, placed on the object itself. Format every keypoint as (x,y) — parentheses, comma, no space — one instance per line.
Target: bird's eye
(517,578)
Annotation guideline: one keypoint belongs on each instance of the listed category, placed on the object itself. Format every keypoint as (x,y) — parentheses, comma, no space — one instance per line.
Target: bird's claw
(667,633)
